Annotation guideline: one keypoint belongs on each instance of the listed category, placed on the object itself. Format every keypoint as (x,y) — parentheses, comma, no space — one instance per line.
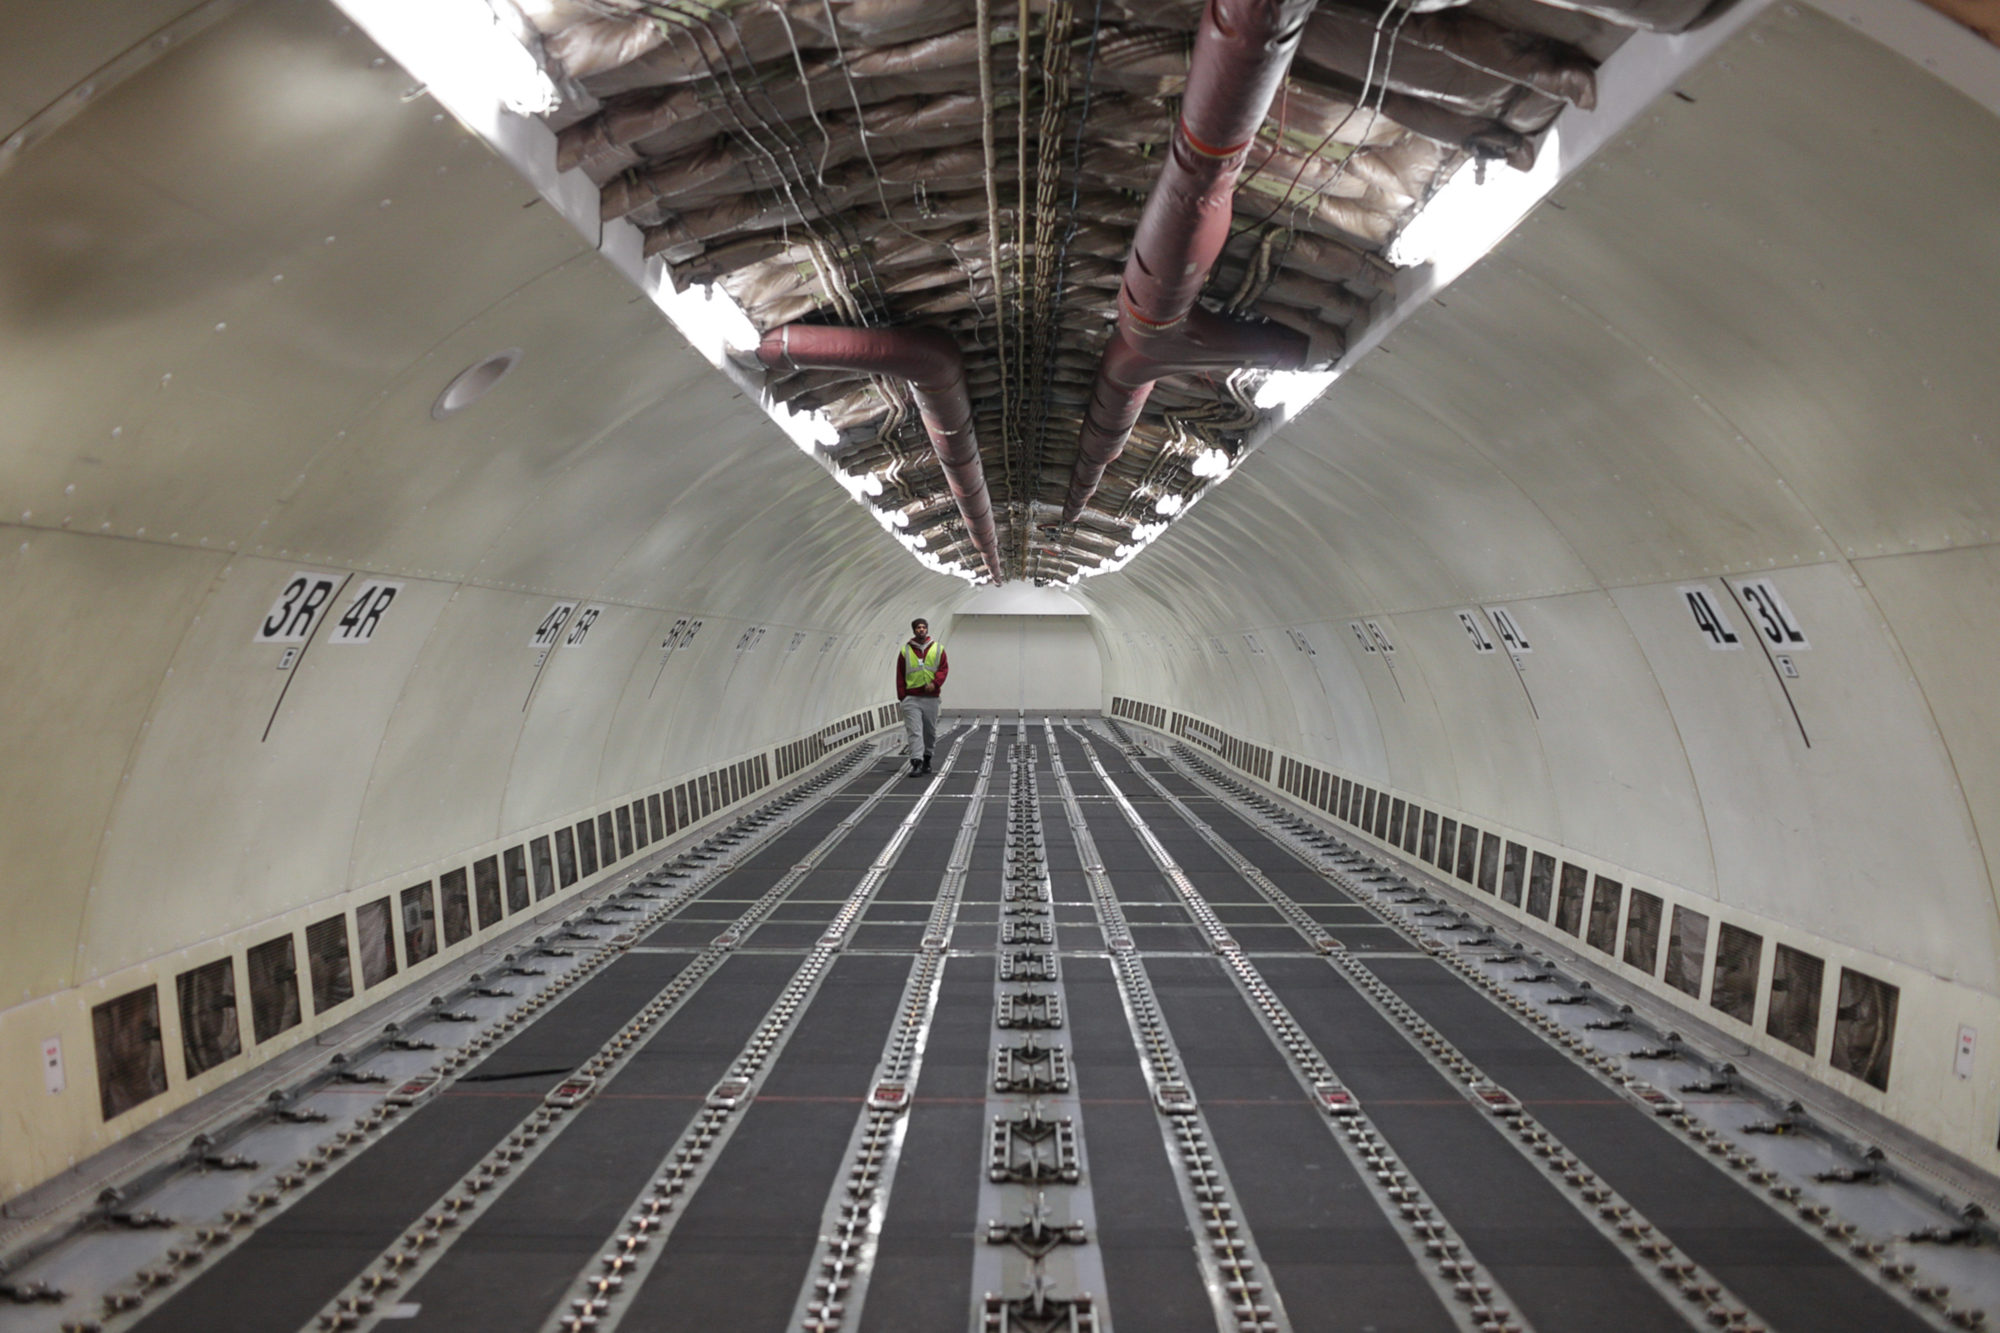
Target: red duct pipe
(930,360)
(1241,53)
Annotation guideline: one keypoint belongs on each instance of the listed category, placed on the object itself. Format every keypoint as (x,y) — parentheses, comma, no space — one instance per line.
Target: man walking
(920,671)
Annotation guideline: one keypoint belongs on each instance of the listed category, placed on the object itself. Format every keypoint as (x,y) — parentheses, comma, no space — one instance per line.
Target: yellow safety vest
(919,672)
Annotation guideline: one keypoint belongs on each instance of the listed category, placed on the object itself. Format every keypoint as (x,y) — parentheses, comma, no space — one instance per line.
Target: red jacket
(936,686)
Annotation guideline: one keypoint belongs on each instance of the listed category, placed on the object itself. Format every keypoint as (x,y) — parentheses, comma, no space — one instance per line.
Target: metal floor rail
(1068,1036)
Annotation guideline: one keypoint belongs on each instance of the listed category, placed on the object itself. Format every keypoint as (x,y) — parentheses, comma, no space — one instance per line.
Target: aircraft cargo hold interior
(1460,539)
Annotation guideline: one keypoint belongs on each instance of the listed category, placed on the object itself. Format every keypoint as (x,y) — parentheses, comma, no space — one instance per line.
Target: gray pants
(920,724)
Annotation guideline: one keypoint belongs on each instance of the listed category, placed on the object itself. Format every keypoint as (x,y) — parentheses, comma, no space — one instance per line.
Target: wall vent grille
(1687,951)
(274,988)
(1797,978)
(1607,903)
(1864,1028)
(327,957)
(566,856)
(420,936)
(456,905)
(1737,955)
(514,864)
(1512,873)
(545,869)
(1642,932)
(1541,885)
(375,937)
(209,1033)
(1569,899)
(131,1059)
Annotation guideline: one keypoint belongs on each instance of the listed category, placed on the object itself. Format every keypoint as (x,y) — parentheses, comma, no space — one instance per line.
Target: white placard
(292,617)
(1361,635)
(1380,635)
(52,1065)
(581,626)
(1769,615)
(1961,1059)
(1710,618)
(1508,629)
(551,626)
(357,624)
(1481,641)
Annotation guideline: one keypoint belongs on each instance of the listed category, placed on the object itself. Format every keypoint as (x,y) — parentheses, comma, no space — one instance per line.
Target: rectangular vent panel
(1642,932)
(455,901)
(1447,843)
(1511,876)
(420,939)
(545,870)
(607,840)
(653,815)
(1864,1028)
(1541,885)
(586,846)
(274,988)
(131,1058)
(332,969)
(486,890)
(209,1034)
(1606,901)
(1427,852)
(565,856)
(624,817)
(1737,955)
(1489,862)
(374,929)
(1687,951)
(514,863)
(1569,899)
(1796,981)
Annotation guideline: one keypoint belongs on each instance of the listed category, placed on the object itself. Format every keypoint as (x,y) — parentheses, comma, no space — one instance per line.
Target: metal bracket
(1032,1067)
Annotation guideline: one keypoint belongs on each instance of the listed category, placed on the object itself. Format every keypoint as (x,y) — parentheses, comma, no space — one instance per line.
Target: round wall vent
(473,383)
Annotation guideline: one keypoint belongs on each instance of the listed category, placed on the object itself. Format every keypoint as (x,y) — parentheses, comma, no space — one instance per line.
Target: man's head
(920,628)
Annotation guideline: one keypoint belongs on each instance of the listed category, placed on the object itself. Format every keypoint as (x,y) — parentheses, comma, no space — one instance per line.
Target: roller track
(1121,1050)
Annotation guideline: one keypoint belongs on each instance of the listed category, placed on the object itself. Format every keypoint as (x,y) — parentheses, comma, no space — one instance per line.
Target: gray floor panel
(1782,1273)
(742,1245)
(1337,1261)
(1149,1253)
(517,1262)
(923,1269)
(1564,1274)
(281,1276)
(740,1251)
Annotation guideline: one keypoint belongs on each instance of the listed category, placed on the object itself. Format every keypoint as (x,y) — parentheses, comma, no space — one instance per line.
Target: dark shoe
(917,766)
(927,765)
